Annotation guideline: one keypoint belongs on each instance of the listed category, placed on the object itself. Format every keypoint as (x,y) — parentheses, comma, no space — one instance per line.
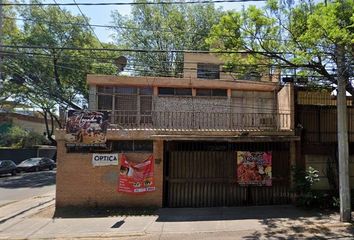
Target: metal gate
(208,179)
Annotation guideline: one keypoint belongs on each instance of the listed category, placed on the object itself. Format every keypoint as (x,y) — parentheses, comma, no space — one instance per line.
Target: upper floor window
(175,91)
(208,71)
(130,99)
(252,76)
(251,73)
(212,92)
(105,89)
(126,90)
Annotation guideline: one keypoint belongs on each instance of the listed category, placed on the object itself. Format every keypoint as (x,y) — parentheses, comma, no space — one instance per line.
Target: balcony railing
(201,120)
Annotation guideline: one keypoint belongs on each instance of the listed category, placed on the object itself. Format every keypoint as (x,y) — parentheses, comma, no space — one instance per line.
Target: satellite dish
(120,62)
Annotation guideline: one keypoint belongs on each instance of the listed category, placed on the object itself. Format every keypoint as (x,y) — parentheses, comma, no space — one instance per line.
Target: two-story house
(196,127)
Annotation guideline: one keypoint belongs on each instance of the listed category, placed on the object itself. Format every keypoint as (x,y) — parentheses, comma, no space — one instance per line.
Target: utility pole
(343,151)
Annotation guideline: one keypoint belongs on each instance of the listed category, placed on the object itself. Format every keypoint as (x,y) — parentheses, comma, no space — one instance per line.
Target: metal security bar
(201,120)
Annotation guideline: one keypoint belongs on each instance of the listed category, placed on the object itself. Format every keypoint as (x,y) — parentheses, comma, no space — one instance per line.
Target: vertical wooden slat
(192,173)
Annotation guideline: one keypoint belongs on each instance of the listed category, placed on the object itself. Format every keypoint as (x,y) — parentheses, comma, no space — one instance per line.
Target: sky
(102,14)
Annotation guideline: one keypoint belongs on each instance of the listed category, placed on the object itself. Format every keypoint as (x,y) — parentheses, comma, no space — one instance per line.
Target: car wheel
(14,172)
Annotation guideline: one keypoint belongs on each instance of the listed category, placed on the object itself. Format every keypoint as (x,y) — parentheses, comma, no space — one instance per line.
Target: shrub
(17,137)
(303,182)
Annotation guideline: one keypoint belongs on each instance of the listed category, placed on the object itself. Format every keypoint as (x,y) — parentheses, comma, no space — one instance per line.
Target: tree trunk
(343,151)
(54,142)
(49,133)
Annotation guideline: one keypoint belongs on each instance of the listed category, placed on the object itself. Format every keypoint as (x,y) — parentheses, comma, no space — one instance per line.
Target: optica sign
(102,159)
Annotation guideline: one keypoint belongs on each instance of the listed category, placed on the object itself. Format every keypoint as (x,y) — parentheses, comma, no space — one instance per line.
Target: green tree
(306,37)
(52,78)
(311,37)
(17,137)
(163,27)
(9,31)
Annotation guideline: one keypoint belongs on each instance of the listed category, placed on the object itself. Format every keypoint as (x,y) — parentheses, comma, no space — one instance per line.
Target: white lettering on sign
(102,159)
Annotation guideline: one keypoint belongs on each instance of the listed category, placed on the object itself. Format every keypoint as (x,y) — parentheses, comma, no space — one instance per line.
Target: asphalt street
(25,185)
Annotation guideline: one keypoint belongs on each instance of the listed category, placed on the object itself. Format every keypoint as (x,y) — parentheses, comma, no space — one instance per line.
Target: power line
(138,50)
(131,3)
(159,73)
(162,30)
(106,59)
(217,104)
(87,22)
(98,25)
(21,55)
(206,104)
(264,53)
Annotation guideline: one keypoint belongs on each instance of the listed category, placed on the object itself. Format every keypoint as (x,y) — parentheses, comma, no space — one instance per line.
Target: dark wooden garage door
(208,179)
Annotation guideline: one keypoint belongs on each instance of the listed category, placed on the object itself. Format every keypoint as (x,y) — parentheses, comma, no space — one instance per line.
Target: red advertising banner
(254,168)
(136,177)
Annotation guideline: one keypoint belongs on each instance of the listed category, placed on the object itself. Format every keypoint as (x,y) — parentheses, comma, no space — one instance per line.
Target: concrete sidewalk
(25,207)
(269,222)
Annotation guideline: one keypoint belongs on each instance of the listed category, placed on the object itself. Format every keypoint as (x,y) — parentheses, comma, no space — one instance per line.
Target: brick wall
(81,184)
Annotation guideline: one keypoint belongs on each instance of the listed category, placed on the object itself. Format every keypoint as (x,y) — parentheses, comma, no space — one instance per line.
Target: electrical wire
(162,30)
(132,3)
(141,50)
(200,97)
(277,65)
(87,22)
(164,74)
(216,105)
(133,66)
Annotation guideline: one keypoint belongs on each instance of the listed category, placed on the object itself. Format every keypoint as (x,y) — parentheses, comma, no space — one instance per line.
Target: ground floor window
(116,146)
(132,146)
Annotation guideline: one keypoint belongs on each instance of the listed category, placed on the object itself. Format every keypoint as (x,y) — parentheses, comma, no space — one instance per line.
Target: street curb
(21,212)
(5,204)
(83,237)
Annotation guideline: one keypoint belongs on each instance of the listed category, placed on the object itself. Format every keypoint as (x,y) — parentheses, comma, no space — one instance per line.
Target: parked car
(8,166)
(36,164)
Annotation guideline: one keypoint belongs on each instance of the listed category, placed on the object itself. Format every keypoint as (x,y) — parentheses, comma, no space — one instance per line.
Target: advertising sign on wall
(254,168)
(103,159)
(136,177)
(86,128)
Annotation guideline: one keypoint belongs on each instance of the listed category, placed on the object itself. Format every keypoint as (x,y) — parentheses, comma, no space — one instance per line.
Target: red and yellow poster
(136,177)
(254,168)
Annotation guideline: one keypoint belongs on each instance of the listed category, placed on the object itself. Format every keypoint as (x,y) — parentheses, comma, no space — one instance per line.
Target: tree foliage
(305,37)
(50,78)
(163,27)
(17,137)
(313,38)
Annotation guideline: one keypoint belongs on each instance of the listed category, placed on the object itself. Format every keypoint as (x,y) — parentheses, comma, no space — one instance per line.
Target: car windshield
(2,163)
(31,161)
